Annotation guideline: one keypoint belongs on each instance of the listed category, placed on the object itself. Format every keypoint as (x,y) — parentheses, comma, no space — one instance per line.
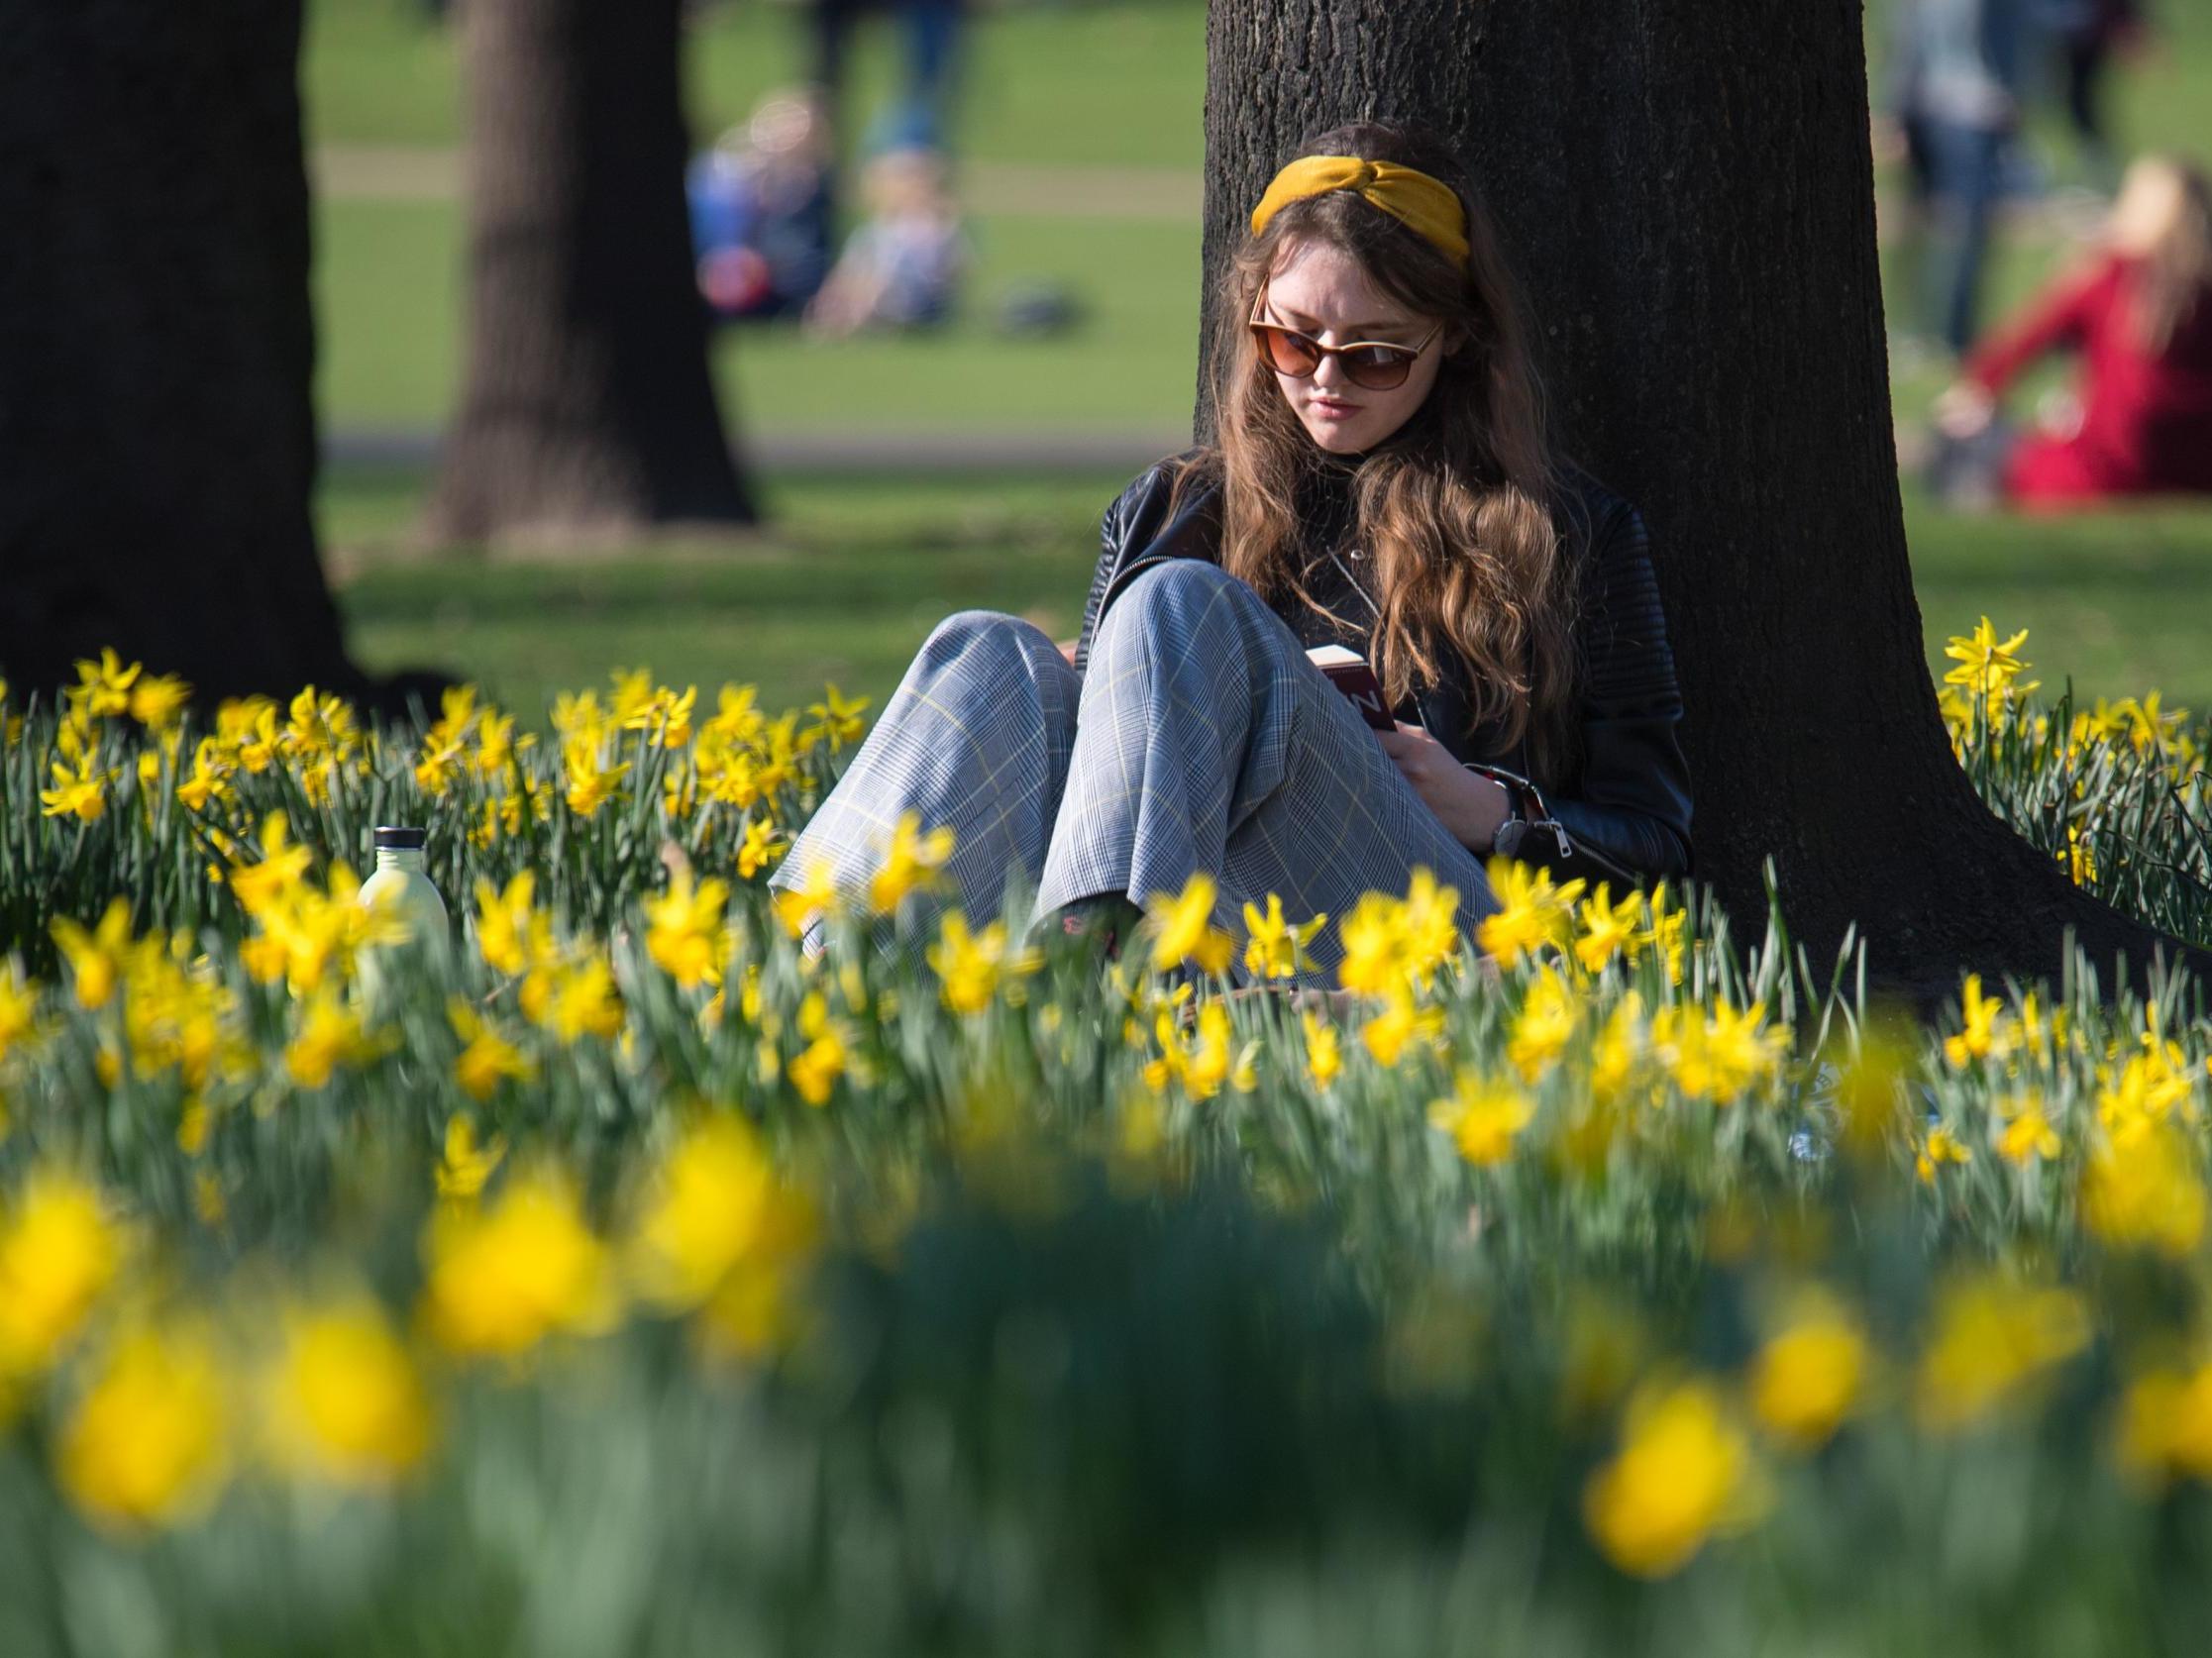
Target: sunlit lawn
(388,294)
(857,570)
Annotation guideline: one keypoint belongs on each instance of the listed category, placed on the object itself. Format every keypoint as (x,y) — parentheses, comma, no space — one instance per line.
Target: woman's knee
(987,638)
(1184,596)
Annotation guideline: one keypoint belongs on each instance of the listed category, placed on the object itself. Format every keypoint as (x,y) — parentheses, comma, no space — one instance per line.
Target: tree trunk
(1686,189)
(157,444)
(588,411)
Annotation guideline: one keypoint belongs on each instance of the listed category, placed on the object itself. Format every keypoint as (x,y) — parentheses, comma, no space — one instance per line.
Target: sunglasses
(1371,363)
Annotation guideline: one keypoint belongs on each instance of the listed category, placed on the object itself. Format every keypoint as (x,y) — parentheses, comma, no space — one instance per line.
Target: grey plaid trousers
(1200,738)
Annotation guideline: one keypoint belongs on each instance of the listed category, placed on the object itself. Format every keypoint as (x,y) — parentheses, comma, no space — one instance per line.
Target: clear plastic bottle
(401,886)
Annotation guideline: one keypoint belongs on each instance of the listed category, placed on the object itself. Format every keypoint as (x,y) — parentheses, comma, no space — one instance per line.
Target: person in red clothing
(2139,312)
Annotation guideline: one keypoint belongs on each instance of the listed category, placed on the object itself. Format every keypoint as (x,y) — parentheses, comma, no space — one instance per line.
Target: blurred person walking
(2139,311)
(920,117)
(2085,34)
(1955,75)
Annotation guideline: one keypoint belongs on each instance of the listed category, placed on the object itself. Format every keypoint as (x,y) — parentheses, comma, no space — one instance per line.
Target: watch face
(1510,835)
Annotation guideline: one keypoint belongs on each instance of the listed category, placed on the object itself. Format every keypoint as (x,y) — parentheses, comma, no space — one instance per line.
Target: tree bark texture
(1686,189)
(588,410)
(157,444)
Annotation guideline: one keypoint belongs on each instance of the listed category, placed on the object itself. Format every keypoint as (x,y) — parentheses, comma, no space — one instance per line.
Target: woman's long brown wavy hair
(1454,506)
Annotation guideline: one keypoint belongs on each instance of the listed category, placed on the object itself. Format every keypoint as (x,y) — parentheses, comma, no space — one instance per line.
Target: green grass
(389,297)
(857,570)
(854,575)
(1117,85)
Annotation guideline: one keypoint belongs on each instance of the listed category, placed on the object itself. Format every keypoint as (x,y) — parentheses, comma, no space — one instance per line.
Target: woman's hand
(1465,803)
(1964,410)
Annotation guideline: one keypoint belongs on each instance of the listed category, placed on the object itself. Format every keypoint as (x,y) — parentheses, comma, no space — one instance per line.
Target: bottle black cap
(401,840)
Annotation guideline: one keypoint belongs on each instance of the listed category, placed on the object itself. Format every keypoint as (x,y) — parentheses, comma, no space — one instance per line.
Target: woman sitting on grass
(2139,313)
(1382,482)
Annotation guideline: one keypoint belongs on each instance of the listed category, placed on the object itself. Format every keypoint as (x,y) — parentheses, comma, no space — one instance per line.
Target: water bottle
(402,889)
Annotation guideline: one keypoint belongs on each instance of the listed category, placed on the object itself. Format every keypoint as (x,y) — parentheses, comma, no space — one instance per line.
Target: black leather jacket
(1625,817)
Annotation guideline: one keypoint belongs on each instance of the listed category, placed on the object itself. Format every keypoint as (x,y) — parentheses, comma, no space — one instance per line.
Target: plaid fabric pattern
(1200,737)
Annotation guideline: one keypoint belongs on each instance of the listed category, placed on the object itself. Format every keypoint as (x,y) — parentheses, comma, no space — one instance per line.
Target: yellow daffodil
(1939,1147)
(971,965)
(1532,914)
(1984,1035)
(1323,1056)
(1549,1019)
(761,847)
(1993,1337)
(80,790)
(838,720)
(1483,1116)
(720,1231)
(59,1250)
(1401,1023)
(2165,1425)
(2027,1133)
(465,1165)
(505,1278)
(1717,1056)
(1376,956)
(1275,948)
(19,1005)
(103,688)
(282,866)
(684,929)
(2145,1192)
(1609,929)
(590,784)
(1684,1471)
(1810,1372)
(96,957)
(1988,670)
(149,1444)
(330,1035)
(512,934)
(486,1058)
(814,1072)
(342,1398)
(1183,930)
(911,864)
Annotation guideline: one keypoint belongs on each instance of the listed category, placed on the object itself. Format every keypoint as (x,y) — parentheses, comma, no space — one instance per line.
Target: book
(1349,672)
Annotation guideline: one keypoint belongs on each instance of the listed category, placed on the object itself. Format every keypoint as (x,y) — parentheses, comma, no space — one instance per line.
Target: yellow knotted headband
(1426,204)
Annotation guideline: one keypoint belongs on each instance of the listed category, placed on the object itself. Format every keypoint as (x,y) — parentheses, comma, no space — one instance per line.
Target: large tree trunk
(1687,191)
(588,411)
(158,443)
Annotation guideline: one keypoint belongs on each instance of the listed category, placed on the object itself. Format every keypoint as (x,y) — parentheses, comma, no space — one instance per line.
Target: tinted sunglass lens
(1378,371)
(1287,352)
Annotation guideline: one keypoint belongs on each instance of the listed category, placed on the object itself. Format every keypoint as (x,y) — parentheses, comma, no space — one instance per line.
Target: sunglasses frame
(1406,358)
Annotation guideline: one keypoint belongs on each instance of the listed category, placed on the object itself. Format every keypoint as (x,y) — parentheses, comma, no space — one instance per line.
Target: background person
(902,267)
(1956,75)
(2139,314)
(759,204)
(2085,34)
(1380,422)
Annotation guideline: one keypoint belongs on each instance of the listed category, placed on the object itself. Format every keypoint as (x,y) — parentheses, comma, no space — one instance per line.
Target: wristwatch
(1506,841)
(1515,829)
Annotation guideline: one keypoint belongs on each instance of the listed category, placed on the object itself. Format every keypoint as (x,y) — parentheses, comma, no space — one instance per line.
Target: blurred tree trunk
(1687,191)
(157,444)
(588,411)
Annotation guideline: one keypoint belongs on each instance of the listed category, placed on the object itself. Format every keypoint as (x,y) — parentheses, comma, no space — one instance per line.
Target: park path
(402,172)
